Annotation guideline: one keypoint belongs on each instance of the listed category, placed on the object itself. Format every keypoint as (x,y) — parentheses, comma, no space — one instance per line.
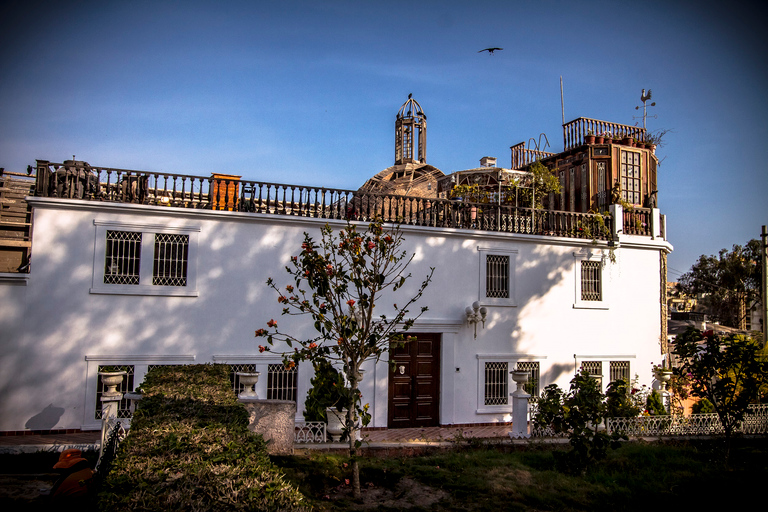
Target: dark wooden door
(414,383)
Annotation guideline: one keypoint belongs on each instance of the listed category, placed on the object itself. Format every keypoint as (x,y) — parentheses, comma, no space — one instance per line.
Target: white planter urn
(336,421)
(111,380)
(520,377)
(248,380)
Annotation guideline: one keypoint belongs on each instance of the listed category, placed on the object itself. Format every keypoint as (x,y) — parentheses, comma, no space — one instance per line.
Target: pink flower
(272,323)
(371,245)
(262,348)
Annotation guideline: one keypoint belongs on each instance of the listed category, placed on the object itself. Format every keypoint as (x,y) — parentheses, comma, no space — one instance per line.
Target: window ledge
(160,291)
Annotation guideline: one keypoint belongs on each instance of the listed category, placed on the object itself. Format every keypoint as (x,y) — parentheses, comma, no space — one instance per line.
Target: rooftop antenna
(562,107)
(644,98)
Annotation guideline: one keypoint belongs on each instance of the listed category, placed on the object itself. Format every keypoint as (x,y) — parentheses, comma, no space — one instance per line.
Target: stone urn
(520,377)
(111,380)
(336,421)
(248,380)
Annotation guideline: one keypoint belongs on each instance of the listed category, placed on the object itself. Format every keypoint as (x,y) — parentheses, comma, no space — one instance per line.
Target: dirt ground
(407,494)
(25,492)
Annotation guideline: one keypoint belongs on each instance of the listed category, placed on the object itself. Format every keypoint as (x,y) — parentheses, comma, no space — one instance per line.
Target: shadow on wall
(555,372)
(45,419)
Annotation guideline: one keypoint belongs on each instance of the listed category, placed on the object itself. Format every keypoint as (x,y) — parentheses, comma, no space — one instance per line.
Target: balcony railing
(225,193)
(522,156)
(575,131)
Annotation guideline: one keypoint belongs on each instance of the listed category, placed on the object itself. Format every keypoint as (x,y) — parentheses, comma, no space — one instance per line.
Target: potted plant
(589,138)
(608,137)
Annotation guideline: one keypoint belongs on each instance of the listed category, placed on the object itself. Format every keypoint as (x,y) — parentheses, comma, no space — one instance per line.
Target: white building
(142,269)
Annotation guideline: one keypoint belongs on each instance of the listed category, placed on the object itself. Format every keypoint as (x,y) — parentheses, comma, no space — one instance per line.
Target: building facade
(133,269)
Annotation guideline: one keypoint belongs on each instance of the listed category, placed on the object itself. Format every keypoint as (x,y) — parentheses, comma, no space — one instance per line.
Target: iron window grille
(124,408)
(619,370)
(170,260)
(595,370)
(122,257)
(496,383)
(497,276)
(282,382)
(533,368)
(590,281)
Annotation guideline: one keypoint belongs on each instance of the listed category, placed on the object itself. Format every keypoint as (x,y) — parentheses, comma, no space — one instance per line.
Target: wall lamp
(476,314)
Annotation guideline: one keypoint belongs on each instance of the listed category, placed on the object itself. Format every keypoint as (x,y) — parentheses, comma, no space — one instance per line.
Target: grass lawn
(638,476)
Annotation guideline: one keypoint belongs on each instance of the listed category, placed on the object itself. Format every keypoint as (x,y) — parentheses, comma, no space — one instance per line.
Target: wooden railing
(522,156)
(575,131)
(638,221)
(211,193)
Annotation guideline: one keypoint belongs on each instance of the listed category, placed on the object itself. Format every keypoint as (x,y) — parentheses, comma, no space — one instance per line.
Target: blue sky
(307,92)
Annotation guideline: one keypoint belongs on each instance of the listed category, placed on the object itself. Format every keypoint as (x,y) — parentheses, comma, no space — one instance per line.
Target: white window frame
(511,360)
(591,255)
(606,365)
(145,286)
(510,301)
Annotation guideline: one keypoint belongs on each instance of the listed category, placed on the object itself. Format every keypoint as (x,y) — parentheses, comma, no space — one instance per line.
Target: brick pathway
(399,436)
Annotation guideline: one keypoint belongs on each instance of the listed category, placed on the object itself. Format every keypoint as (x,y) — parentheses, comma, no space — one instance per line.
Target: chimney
(488,161)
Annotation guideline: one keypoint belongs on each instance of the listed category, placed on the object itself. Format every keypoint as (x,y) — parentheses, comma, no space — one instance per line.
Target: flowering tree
(338,282)
(729,371)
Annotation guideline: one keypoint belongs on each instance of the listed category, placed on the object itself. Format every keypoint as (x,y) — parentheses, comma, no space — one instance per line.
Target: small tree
(577,413)
(338,282)
(728,371)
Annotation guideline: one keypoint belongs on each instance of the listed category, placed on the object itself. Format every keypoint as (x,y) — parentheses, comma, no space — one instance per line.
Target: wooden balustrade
(575,131)
(185,191)
(522,156)
(638,221)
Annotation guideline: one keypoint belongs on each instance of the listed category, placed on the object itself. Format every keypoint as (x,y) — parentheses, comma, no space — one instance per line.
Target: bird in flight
(490,50)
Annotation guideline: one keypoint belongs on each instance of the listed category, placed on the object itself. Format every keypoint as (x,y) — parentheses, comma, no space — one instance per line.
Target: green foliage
(655,405)
(618,402)
(579,414)
(189,448)
(327,390)
(728,371)
(541,182)
(729,283)
(703,406)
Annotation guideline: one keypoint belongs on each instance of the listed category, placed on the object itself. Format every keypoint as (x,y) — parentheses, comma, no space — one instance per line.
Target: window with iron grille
(282,382)
(497,276)
(619,370)
(168,254)
(595,370)
(630,177)
(590,281)
(496,383)
(124,409)
(122,257)
(532,367)
(584,189)
(233,377)
(170,262)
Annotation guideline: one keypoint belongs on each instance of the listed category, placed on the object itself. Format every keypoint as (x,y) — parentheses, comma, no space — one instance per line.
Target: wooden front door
(414,383)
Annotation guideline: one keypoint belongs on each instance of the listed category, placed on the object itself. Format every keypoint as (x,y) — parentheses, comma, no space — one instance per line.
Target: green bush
(655,404)
(703,406)
(577,413)
(189,448)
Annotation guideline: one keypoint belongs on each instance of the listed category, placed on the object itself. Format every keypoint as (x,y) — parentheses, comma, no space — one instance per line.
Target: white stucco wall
(54,343)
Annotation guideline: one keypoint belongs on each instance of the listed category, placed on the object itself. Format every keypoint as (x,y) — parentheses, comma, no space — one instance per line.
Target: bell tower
(411,134)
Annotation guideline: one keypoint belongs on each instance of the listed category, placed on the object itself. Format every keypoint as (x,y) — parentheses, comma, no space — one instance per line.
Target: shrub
(703,406)
(579,414)
(189,448)
(655,404)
